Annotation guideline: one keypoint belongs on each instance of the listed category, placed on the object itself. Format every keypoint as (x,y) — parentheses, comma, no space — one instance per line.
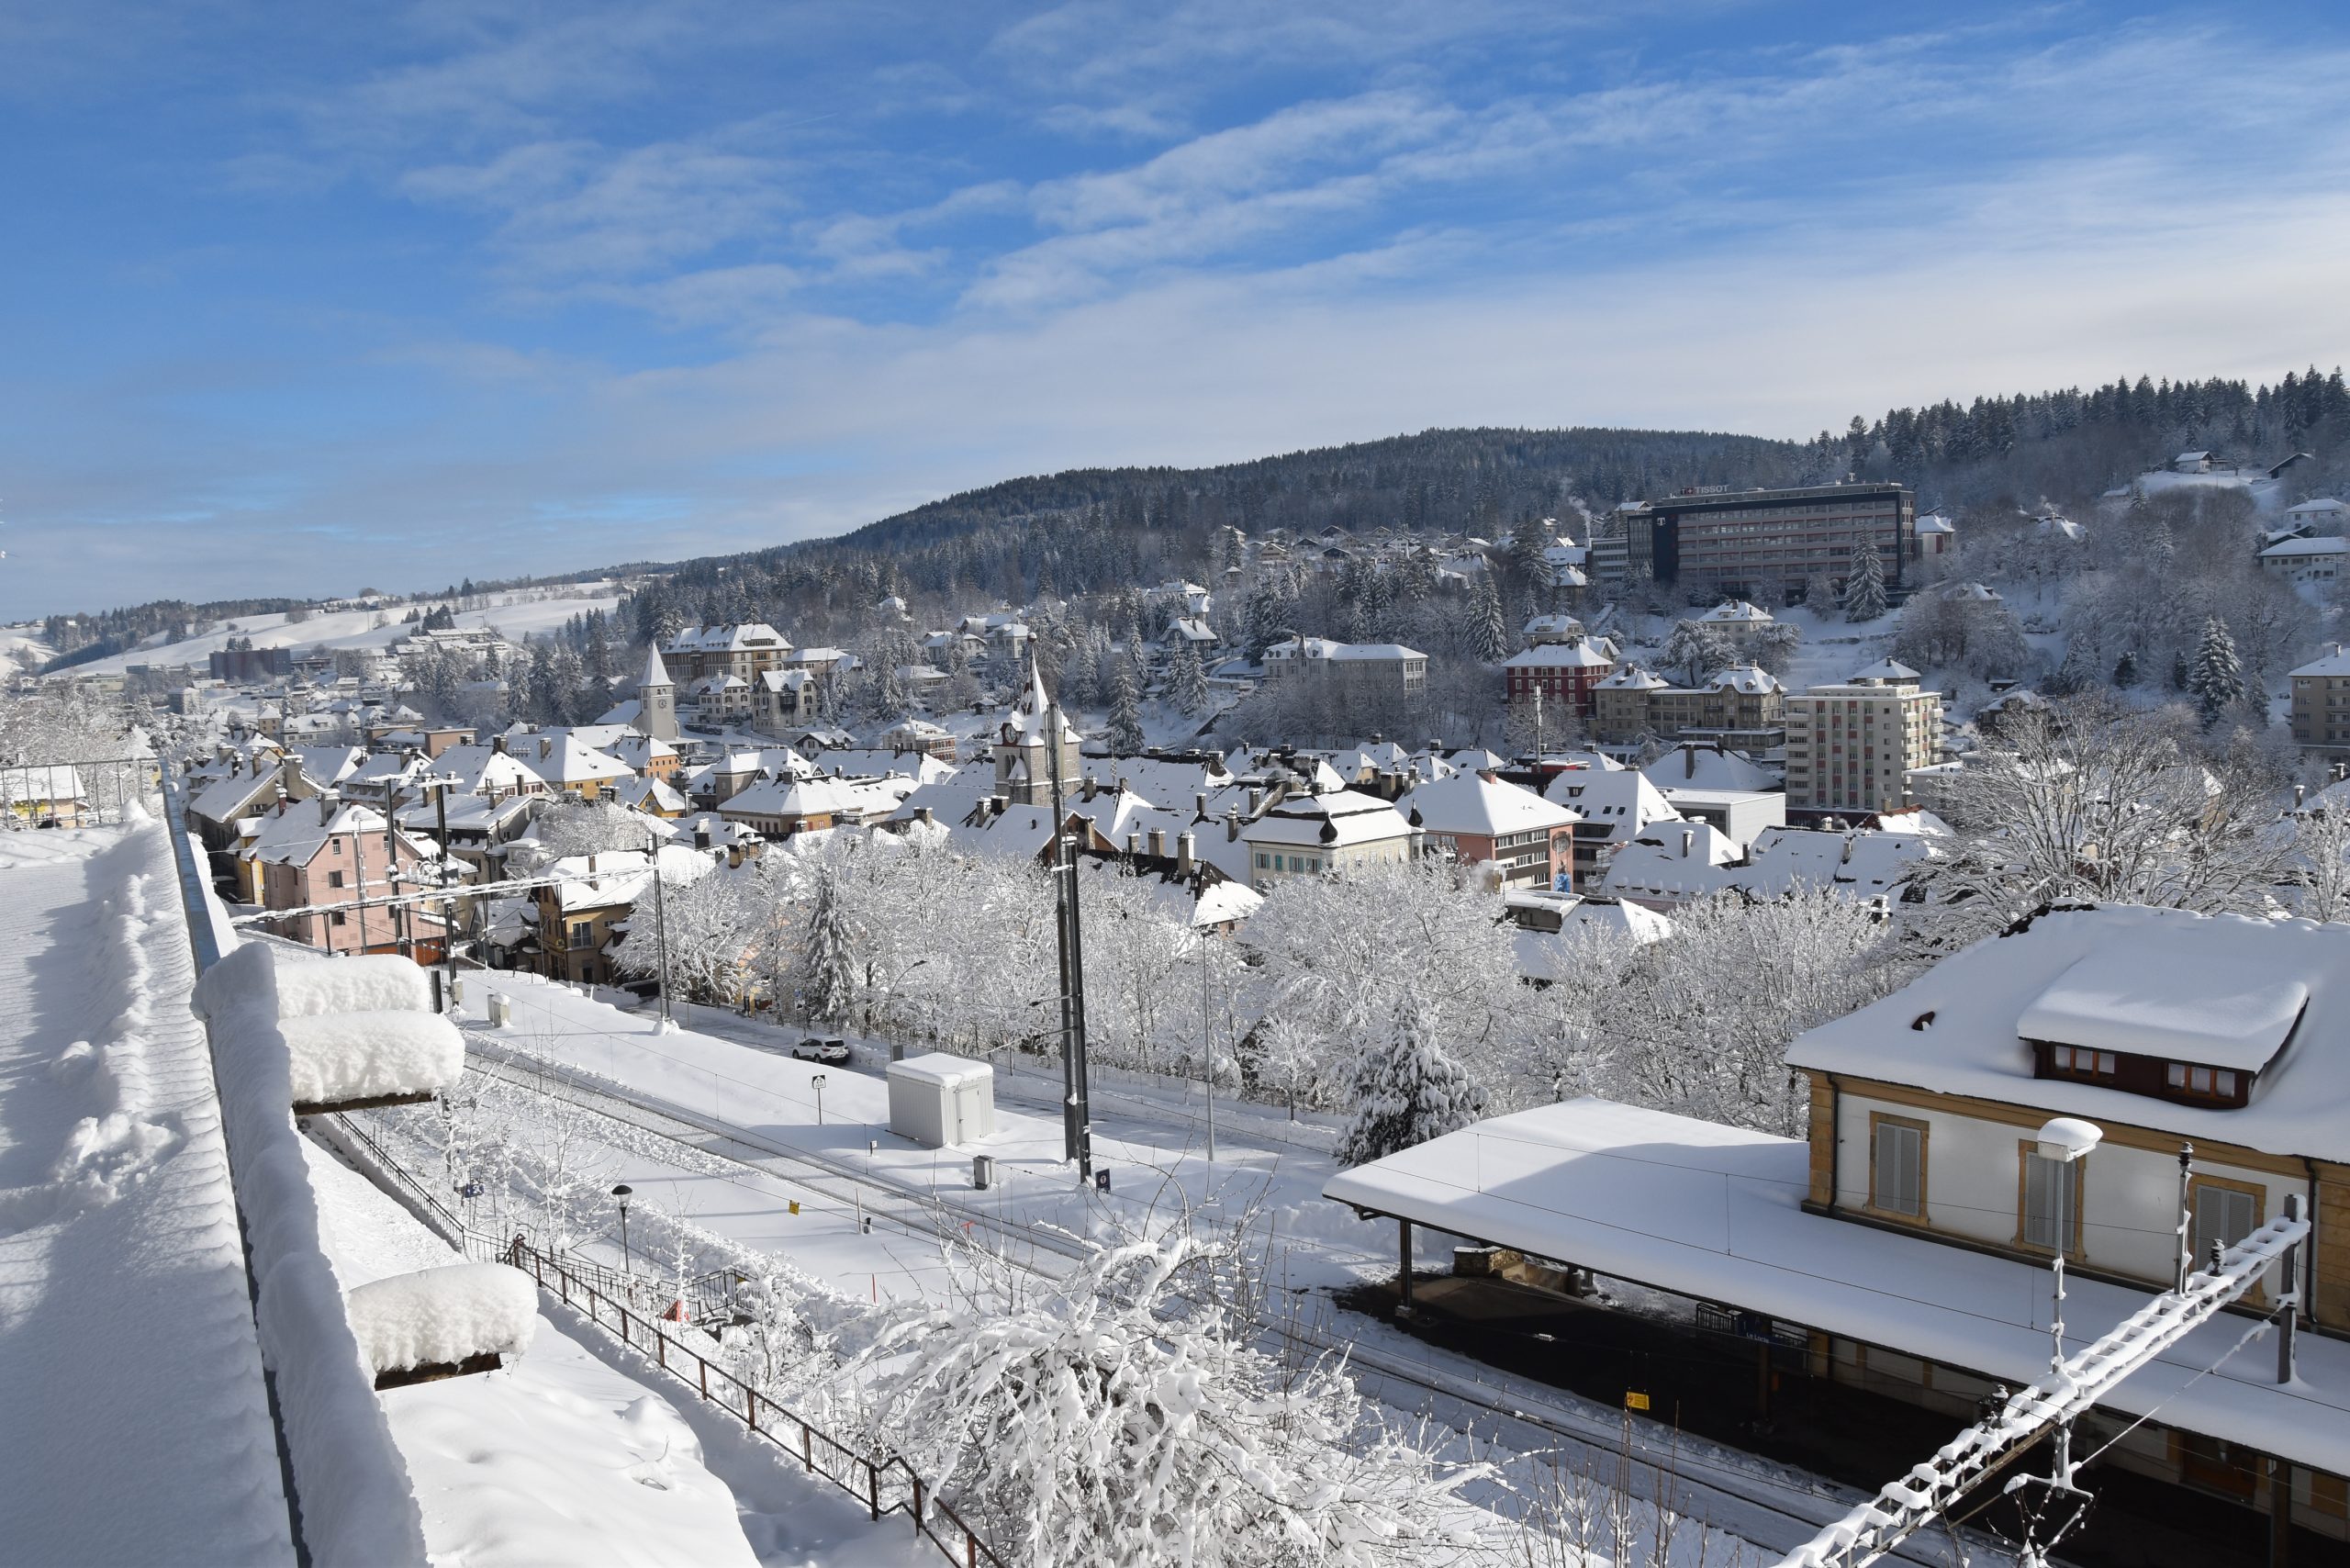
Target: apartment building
(1762,543)
(2322,703)
(1851,748)
(1359,671)
(1743,706)
(701,652)
(1564,674)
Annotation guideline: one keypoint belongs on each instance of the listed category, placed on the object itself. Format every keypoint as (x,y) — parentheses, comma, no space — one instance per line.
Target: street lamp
(818,1080)
(2065,1139)
(621,1192)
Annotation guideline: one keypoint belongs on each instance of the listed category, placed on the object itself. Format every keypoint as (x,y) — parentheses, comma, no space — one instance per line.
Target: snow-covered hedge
(371,983)
(438,1316)
(339,1056)
(358,1505)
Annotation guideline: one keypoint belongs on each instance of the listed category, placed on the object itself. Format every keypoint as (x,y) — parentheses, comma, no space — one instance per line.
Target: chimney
(545,745)
(1231,823)
(591,865)
(1686,835)
(1256,804)
(325,808)
(2298,791)
(702,836)
(497,744)
(1159,844)
(1183,849)
(1134,846)
(1087,791)
(1688,762)
(1199,807)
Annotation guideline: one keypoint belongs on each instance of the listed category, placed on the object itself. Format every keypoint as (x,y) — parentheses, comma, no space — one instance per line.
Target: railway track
(1522,1416)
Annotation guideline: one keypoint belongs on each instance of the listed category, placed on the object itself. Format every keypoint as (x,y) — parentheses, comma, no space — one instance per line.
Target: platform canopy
(1714,1213)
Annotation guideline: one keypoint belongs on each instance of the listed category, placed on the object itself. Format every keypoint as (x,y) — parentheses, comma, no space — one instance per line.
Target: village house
(2308,559)
(1742,706)
(1561,671)
(1315,834)
(321,852)
(1613,806)
(1476,819)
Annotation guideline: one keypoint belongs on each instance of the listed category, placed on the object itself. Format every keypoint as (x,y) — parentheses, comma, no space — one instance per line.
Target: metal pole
(1537,737)
(448,906)
(1207,1037)
(359,869)
(1077,1126)
(661,925)
(2186,1214)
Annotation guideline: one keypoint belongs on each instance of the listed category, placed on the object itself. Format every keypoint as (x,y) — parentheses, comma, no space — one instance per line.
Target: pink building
(323,852)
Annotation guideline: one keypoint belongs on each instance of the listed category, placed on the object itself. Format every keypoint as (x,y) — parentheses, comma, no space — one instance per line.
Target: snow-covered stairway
(137,1426)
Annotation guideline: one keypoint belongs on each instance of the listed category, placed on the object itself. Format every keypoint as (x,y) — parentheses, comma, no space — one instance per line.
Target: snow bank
(444,1316)
(339,1056)
(358,1504)
(371,983)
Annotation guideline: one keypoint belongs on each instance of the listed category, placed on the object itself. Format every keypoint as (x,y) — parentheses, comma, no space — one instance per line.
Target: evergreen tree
(1486,634)
(2125,670)
(1864,590)
(2180,670)
(2217,677)
(829,986)
(2077,674)
(2162,548)
(1696,651)
(1407,1090)
(1126,712)
(1187,680)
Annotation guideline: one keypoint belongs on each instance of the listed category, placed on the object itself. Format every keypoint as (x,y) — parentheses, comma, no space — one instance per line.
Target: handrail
(573,1282)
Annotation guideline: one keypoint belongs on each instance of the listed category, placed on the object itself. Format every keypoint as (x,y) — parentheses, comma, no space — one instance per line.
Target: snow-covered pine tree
(2162,547)
(830,983)
(2077,674)
(1408,1089)
(1077,670)
(1696,652)
(2125,670)
(1864,588)
(1126,711)
(1486,634)
(2216,679)
(1187,682)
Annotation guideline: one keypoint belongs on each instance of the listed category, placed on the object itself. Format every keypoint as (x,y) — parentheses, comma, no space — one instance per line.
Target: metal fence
(77,793)
(884,1482)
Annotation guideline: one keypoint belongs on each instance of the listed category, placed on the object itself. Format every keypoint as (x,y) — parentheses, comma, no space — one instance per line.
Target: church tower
(1024,768)
(656,698)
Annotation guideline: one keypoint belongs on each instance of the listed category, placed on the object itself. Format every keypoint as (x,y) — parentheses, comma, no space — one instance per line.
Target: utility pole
(1207,1033)
(448,904)
(359,870)
(1077,1128)
(1537,739)
(661,924)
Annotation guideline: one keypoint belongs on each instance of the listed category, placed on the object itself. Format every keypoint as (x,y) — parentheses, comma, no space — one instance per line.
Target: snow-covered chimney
(591,865)
(1231,823)
(1183,849)
(1199,807)
(1688,762)
(1159,844)
(497,744)
(1686,835)
(1256,803)
(545,746)
(2298,791)
(326,809)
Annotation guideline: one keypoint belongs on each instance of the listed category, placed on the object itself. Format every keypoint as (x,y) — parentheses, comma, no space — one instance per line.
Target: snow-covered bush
(1107,1421)
(339,1056)
(441,1317)
(369,983)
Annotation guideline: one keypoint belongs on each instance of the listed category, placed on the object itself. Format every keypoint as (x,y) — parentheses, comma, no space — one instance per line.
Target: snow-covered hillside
(518,614)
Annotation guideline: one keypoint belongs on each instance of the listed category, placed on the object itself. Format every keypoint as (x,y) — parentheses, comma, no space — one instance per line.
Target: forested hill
(1104,529)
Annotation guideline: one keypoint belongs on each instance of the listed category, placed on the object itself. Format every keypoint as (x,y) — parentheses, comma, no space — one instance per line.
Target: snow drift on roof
(2158,998)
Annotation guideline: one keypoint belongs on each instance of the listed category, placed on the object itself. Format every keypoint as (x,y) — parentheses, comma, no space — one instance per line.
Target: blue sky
(304,297)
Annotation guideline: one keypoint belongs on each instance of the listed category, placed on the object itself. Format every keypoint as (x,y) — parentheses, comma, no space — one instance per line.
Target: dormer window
(2187,1081)
(2079,1062)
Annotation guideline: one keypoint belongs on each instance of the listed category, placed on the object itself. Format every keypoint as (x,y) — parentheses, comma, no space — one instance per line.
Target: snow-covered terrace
(1714,1212)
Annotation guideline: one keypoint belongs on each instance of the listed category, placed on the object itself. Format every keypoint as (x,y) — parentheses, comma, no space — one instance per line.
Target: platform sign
(1635,1401)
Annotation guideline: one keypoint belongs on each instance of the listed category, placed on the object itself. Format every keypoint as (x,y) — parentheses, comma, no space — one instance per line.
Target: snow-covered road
(134,1425)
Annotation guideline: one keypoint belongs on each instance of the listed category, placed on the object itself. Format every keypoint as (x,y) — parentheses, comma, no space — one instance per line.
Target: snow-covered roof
(873,762)
(1373,652)
(1752,681)
(1478,803)
(561,759)
(1631,678)
(482,770)
(1616,804)
(757,634)
(1736,612)
(1935,522)
(2212,989)
(1691,766)
(1331,821)
(2335,662)
(620,876)
(1680,861)
(1716,1213)
(41,784)
(1888,671)
(1581,653)
(1551,627)
(656,673)
(2321,545)
(648,795)
(2317,506)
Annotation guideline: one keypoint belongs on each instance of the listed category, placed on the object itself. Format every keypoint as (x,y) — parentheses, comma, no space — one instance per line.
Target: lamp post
(621,1192)
(1207,1037)
(817,1079)
(2064,1140)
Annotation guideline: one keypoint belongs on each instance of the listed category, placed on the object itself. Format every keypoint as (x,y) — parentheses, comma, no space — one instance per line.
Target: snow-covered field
(516,615)
(133,1422)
